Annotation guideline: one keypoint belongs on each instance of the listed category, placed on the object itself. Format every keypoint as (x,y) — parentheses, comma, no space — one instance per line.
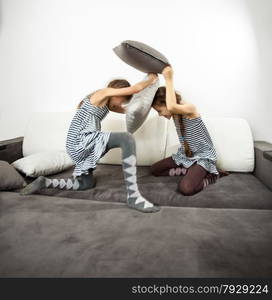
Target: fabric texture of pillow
(141,56)
(43,163)
(9,178)
(139,106)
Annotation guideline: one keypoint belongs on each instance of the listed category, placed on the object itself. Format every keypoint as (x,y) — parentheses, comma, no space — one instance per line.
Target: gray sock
(126,141)
(82,182)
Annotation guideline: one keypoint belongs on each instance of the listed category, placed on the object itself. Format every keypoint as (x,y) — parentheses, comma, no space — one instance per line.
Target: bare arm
(99,96)
(171,101)
(136,88)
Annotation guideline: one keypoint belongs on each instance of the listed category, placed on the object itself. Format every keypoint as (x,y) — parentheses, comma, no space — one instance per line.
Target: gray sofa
(223,231)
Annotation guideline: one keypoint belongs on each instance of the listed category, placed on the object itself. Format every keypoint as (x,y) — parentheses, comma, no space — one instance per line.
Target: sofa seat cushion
(237,190)
(60,237)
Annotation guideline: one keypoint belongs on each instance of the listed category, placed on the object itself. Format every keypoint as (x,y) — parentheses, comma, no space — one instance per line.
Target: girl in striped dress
(86,144)
(196,157)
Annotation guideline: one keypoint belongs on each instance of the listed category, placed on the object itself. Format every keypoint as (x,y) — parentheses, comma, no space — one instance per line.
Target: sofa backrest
(155,140)
(150,139)
(46,131)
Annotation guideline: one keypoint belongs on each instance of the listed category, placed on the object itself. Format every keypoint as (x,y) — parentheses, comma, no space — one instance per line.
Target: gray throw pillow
(140,105)
(9,178)
(141,56)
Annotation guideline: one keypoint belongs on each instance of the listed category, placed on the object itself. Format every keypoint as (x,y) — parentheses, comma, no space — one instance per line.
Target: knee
(127,137)
(129,141)
(121,139)
(186,188)
(127,134)
(153,170)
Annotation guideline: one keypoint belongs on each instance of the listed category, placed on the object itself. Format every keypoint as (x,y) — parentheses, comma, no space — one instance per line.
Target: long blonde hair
(115,83)
(160,99)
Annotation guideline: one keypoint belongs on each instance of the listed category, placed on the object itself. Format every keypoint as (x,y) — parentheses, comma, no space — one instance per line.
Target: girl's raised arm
(132,89)
(100,96)
(171,101)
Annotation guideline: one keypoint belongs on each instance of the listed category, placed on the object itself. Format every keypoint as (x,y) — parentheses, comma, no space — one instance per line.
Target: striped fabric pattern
(85,143)
(200,143)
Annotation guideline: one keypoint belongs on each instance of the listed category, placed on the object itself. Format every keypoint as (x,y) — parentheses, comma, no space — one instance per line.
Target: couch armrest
(268,155)
(11,150)
(263,162)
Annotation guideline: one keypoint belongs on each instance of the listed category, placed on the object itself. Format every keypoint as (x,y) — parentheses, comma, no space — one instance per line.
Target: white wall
(260,13)
(54,52)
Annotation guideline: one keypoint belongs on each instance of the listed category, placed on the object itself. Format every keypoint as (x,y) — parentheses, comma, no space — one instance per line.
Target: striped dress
(200,143)
(85,143)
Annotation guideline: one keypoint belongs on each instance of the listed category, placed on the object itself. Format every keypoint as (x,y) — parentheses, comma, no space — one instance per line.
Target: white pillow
(139,106)
(43,163)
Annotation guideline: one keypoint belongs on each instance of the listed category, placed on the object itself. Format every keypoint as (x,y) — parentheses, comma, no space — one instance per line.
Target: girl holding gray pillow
(86,144)
(196,158)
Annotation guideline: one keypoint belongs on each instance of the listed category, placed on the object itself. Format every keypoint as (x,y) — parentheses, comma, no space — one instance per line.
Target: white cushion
(43,163)
(150,139)
(155,140)
(46,131)
(232,139)
(140,105)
